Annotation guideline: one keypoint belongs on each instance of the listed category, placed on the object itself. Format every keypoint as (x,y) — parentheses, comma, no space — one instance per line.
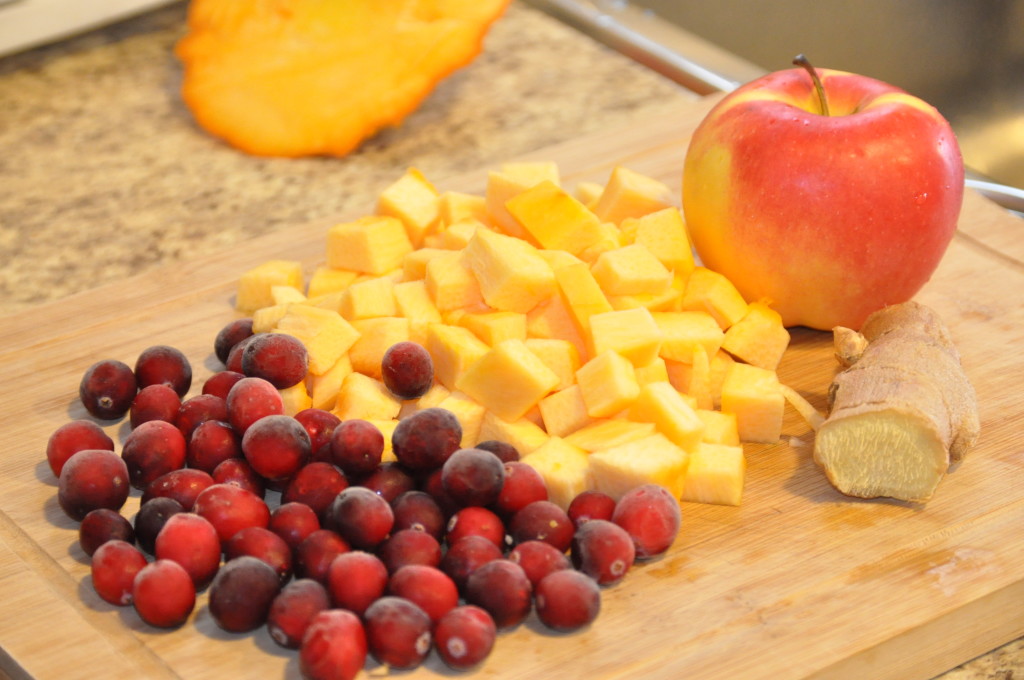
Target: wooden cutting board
(798,582)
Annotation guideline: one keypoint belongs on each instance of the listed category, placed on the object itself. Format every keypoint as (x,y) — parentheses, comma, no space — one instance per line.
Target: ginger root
(902,411)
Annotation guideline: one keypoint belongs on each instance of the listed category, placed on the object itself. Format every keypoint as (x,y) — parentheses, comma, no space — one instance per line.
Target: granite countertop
(105,175)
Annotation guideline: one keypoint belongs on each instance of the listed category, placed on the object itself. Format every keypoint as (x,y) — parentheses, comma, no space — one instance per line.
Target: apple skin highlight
(828,217)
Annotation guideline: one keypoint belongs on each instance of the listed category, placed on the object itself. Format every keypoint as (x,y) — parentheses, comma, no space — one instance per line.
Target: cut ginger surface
(601,360)
(318,77)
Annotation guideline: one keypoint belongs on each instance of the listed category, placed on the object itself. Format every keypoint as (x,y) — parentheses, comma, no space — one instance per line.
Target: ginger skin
(901,412)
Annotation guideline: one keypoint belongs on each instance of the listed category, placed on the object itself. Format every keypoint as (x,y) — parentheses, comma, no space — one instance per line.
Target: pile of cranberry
(439,549)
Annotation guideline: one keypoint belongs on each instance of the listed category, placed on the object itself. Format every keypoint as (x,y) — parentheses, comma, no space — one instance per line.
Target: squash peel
(318,77)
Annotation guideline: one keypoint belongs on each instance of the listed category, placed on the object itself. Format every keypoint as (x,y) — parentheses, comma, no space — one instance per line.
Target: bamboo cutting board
(798,582)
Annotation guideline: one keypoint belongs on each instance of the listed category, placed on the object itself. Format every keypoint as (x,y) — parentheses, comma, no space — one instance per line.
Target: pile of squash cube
(573,325)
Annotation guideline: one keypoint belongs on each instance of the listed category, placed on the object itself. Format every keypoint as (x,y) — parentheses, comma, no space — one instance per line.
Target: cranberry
(502,588)
(192,542)
(163,365)
(407,370)
(389,481)
(278,358)
(200,409)
(651,516)
(589,505)
(114,566)
(476,521)
(220,383)
(409,546)
(538,559)
(473,477)
(567,600)
(466,555)
(238,472)
(361,517)
(107,389)
(182,485)
(211,444)
(154,402)
(102,525)
(90,479)
(503,450)
(293,522)
(603,551)
(229,336)
(429,587)
(241,594)
(397,632)
(320,426)
(542,521)
(231,508)
(293,609)
(251,399)
(523,485)
(464,637)
(317,552)
(152,449)
(424,440)
(163,594)
(357,446)
(276,446)
(317,484)
(150,519)
(333,647)
(265,545)
(72,437)
(418,510)
(355,580)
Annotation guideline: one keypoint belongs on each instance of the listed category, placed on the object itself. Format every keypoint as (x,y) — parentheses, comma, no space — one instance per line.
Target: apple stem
(801,60)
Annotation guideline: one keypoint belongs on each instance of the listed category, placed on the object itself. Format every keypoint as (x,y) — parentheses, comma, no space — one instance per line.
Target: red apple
(830,213)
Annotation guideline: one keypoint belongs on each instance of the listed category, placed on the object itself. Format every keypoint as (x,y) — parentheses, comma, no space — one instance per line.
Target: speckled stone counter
(103,173)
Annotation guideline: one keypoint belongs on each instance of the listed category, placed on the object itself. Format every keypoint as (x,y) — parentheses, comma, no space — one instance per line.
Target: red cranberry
(428,587)
(651,516)
(72,437)
(192,542)
(567,600)
(355,580)
(163,594)
(114,566)
(502,588)
(590,505)
(294,609)
(603,551)
(464,637)
(542,521)
(333,647)
(397,632)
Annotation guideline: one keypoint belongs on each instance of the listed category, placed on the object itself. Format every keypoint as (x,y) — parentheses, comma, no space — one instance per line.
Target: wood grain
(798,582)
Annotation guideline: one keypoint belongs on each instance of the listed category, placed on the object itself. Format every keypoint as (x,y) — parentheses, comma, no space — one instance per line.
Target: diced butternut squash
(664,234)
(414,265)
(387,429)
(368,299)
(451,283)
(608,382)
(715,474)
(524,434)
(552,319)
(711,292)
(759,338)
(554,219)
(700,387)
(453,349)
(254,285)
(374,244)
(285,294)
(455,206)
(719,428)
(455,236)
(363,397)
(651,460)
(326,334)
(559,355)
(755,397)
(581,293)
(375,337)
(564,412)
(661,404)
(631,270)
(656,371)
(609,238)
(470,414)
(632,333)
(512,276)
(413,302)
(494,327)
(326,280)
(511,180)
(565,469)
(508,380)
(609,432)
(680,331)
(413,200)
(588,192)
(631,194)
(265,319)
(324,388)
